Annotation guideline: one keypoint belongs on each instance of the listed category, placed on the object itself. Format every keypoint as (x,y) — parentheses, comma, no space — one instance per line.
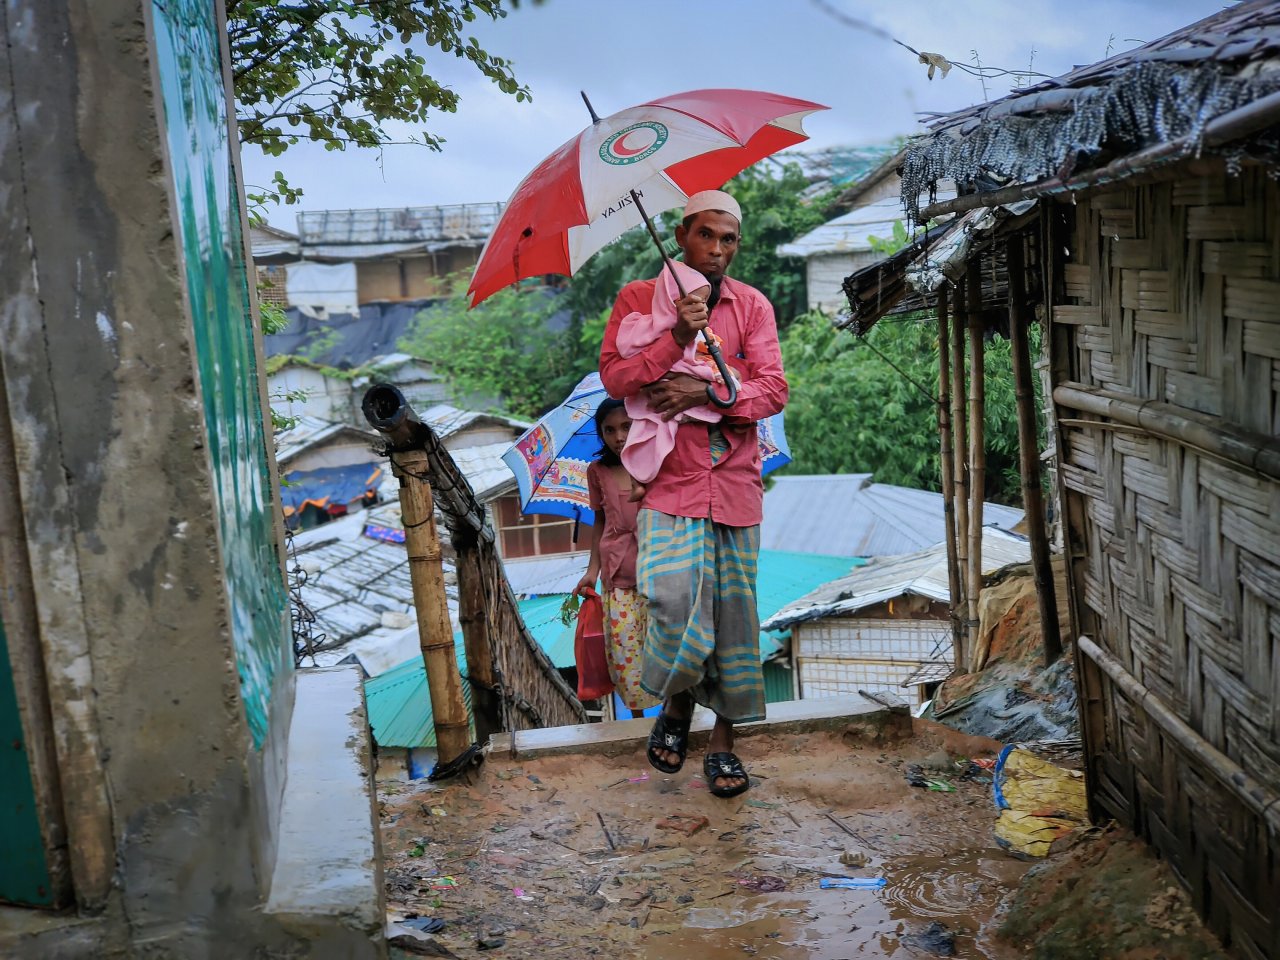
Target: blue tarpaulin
(329,486)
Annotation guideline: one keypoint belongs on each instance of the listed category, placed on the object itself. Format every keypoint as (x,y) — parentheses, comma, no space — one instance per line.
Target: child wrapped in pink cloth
(651,437)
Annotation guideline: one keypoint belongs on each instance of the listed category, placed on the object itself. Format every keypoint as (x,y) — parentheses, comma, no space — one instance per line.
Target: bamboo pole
(1029,454)
(435,633)
(947,468)
(477,638)
(977,451)
(959,608)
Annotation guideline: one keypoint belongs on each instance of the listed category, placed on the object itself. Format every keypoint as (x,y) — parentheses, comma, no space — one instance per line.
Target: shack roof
(1202,87)
(849,233)
(373,233)
(922,574)
(850,515)
(310,433)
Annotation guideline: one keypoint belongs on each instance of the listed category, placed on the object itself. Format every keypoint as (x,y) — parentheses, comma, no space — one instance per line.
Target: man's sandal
(672,736)
(725,765)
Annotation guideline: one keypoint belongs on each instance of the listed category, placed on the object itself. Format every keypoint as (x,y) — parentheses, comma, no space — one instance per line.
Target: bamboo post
(947,469)
(977,451)
(435,633)
(1029,454)
(959,607)
(477,638)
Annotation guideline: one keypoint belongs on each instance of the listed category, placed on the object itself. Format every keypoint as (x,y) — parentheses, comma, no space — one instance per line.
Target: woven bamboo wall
(1168,343)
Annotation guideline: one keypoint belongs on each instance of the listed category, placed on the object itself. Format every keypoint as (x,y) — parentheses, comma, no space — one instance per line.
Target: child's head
(612,426)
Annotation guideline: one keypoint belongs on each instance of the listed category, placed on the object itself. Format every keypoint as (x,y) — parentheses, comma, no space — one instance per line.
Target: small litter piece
(490,943)
(852,883)
(763,884)
(941,786)
(439,812)
(640,779)
(763,804)
(424,924)
(935,939)
(851,858)
(441,883)
(420,946)
(683,823)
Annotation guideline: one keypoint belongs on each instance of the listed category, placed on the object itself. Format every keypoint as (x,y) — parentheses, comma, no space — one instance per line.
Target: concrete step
(622,736)
(327,881)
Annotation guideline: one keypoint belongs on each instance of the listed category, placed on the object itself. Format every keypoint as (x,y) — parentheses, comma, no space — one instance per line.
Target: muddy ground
(568,857)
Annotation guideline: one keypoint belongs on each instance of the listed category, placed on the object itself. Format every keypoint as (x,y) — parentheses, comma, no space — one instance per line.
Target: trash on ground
(440,883)
(420,946)
(941,786)
(763,884)
(683,823)
(490,943)
(852,883)
(425,924)
(1038,802)
(763,804)
(439,812)
(851,858)
(935,939)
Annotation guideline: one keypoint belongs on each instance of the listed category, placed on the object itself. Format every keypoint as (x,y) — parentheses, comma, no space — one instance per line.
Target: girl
(613,556)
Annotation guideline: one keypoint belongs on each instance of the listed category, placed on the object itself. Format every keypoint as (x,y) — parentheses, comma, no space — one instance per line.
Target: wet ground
(570,857)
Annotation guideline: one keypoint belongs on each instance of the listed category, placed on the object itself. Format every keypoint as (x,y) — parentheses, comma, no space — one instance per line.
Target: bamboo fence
(1165,359)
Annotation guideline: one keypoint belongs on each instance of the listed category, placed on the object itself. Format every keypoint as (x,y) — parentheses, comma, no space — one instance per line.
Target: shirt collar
(728,289)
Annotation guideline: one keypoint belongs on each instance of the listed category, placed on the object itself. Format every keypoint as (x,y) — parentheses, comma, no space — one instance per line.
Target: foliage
(339,71)
(852,412)
(774,213)
(888,246)
(506,347)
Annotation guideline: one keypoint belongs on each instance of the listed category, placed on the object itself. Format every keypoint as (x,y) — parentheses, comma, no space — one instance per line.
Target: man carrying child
(698,528)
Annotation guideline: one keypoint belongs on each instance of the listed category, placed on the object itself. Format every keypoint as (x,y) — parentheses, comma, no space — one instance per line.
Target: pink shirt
(618,540)
(687,485)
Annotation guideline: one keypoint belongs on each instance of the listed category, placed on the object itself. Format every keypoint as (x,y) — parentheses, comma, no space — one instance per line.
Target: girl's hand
(588,582)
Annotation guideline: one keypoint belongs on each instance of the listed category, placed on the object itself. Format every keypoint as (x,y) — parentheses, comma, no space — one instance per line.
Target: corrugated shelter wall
(1166,364)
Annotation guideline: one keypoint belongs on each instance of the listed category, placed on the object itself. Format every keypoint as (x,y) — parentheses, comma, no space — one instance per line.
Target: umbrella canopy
(579,198)
(550,461)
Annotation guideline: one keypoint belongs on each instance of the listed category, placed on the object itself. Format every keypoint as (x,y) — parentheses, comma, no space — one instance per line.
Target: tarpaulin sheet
(329,485)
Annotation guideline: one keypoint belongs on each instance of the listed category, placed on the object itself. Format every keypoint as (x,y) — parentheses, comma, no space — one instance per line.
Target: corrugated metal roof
(851,516)
(400,707)
(451,223)
(922,574)
(446,420)
(484,469)
(310,432)
(849,233)
(539,576)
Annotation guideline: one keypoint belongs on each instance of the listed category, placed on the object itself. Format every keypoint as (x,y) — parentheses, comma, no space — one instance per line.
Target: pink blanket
(651,437)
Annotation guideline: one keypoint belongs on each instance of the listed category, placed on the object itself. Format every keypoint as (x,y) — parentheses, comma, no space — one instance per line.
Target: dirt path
(565,857)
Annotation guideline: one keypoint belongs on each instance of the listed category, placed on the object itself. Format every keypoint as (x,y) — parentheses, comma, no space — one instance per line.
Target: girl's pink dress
(626,613)
(651,437)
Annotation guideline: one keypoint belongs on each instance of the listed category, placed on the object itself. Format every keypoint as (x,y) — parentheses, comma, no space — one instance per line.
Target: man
(699,523)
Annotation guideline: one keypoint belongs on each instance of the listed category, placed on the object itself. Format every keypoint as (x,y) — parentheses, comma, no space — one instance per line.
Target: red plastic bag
(588,649)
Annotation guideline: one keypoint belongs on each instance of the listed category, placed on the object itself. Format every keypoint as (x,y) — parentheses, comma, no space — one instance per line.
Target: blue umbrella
(550,461)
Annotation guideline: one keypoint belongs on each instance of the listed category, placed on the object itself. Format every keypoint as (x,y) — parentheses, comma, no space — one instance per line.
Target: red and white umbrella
(581,197)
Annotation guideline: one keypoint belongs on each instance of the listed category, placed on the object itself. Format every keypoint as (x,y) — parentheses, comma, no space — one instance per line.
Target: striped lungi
(704,630)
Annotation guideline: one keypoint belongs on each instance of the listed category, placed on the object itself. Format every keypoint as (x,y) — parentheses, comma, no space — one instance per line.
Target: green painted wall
(24,876)
(189,64)
(777,684)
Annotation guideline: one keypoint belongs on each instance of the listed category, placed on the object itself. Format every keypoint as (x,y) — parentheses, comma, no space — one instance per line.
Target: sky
(623,52)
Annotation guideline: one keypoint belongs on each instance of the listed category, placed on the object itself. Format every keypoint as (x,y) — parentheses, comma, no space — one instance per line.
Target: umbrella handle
(714,350)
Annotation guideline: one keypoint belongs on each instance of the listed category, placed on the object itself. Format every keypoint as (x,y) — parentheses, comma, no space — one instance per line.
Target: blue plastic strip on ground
(852,883)
(997,776)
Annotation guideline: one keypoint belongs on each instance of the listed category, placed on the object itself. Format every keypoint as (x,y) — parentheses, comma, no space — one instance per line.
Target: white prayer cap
(713,200)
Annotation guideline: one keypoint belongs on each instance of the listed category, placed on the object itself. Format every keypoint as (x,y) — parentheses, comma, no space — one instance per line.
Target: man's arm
(764,391)
(624,376)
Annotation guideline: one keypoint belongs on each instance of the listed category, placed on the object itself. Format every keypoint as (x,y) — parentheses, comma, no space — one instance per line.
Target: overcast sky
(624,52)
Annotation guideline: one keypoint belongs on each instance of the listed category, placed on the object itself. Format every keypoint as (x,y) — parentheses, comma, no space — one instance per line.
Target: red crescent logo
(622,150)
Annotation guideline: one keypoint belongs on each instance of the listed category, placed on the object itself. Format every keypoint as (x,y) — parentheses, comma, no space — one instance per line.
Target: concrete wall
(146,583)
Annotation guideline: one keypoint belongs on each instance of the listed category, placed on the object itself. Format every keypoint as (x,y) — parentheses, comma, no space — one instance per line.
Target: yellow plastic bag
(1039,802)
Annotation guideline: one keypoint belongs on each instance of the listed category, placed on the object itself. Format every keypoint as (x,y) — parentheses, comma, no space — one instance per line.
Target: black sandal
(671,735)
(725,765)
